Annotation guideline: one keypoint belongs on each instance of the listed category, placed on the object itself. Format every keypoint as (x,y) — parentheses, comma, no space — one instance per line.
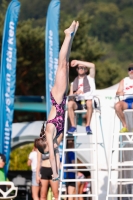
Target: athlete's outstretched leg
(61,79)
(59,89)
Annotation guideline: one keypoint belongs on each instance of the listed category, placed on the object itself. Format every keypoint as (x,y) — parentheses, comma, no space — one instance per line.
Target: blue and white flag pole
(8,77)
(51,47)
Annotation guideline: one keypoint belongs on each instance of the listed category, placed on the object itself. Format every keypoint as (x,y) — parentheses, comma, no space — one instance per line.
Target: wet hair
(40,143)
(35,144)
(42,134)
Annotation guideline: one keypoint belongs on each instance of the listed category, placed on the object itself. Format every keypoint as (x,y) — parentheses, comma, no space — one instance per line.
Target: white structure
(10,188)
(25,132)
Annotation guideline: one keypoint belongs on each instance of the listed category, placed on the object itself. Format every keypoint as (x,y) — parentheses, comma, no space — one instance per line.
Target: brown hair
(40,143)
(42,134)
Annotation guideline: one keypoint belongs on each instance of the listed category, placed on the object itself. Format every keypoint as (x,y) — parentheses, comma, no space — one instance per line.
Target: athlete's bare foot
(70,31)
(76,27)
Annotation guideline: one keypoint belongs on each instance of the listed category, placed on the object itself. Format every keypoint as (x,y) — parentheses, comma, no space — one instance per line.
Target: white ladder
(93,166)
(121,143)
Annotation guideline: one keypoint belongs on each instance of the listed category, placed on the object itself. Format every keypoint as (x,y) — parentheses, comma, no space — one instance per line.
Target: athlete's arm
(60,137)
(58,161)
(38,166)
(52,158)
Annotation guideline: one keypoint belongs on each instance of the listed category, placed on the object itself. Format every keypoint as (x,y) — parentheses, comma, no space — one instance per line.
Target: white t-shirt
(128,87)
(80,84)
(33,158)
(87,95)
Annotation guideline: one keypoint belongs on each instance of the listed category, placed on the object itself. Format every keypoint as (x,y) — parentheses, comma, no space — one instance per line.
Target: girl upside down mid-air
(55,123)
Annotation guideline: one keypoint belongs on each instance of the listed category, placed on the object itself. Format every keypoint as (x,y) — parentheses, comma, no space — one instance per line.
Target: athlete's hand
(56,179)
(74,63)
(79,92)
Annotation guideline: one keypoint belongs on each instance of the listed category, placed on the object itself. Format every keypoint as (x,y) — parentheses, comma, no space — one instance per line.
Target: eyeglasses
(130,69)
(83,68)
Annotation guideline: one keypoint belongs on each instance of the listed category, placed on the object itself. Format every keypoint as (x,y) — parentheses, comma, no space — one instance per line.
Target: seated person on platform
(125,89)
(83,87)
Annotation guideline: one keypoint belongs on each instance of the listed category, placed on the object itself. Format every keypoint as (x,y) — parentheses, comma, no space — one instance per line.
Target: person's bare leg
(44,189)
(119,107)
(35,192)
(89,112)
(71,107)
(58,91)
(54,187)
(61,79)
(71,190)
(80,190)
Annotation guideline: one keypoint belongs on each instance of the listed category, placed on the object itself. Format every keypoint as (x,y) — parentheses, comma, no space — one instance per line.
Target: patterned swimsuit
(58,121)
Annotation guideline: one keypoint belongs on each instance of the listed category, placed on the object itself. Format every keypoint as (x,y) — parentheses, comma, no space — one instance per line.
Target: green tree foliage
(19,157)
(108,72)
(113,25)
(30,62)
(123,3)
(33,9)
(105,37)
(103,22)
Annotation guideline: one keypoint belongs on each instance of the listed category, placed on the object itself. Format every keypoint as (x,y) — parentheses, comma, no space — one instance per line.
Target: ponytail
(42,134)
